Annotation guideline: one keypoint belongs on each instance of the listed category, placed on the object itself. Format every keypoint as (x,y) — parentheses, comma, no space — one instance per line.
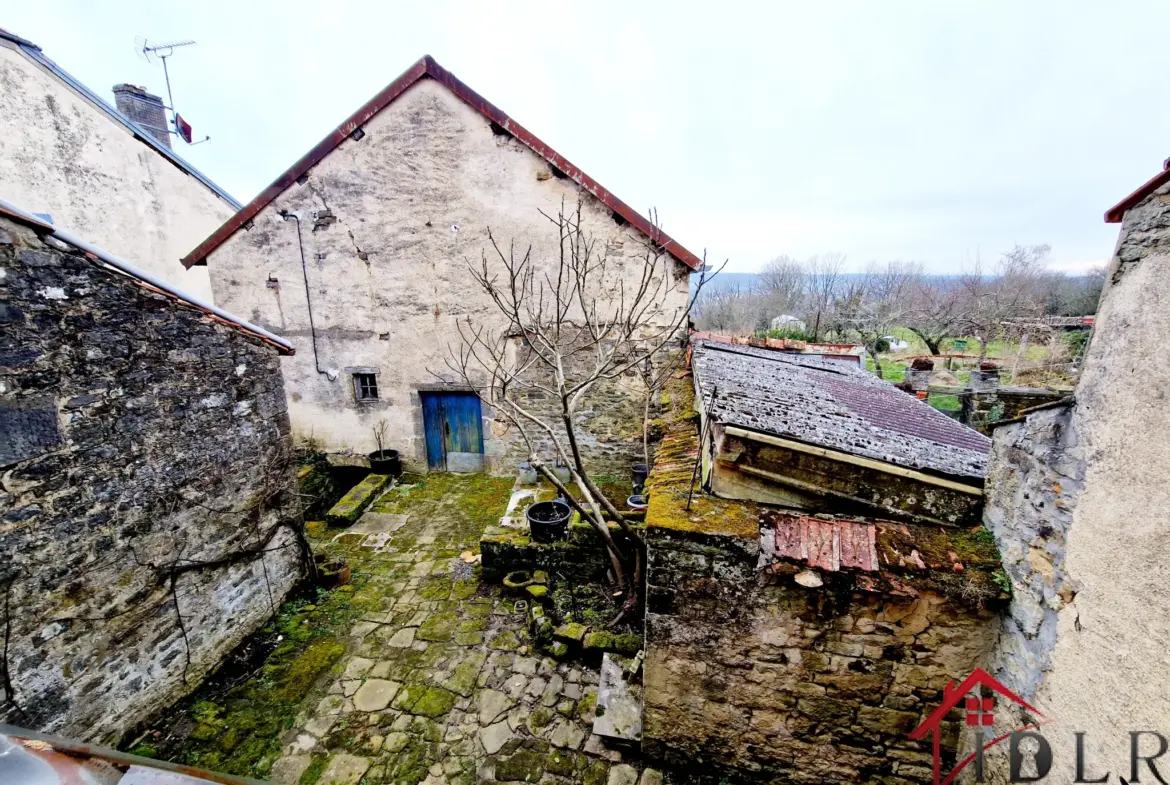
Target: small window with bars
(365,386)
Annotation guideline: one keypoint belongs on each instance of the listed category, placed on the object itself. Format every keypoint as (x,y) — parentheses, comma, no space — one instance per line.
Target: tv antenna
(150,52)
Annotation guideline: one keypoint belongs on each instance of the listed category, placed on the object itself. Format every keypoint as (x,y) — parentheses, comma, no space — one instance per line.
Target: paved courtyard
(438,683)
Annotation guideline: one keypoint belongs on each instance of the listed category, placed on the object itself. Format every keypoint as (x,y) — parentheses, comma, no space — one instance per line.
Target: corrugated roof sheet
(836,406)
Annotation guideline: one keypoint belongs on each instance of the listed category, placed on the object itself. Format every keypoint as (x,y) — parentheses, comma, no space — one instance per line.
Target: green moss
(462,681)
(628,644)
(587,704)
(540,717)
(435,702)
(506,641)
(537,592)
(599,640)
(436,589)
(316,659)
(437,627)
(353,504)
(144,751)
(314,771)
(523,766)
(596,774)
(571,632)
(558,650)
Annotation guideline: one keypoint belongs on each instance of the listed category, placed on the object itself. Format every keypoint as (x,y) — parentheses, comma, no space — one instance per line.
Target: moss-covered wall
(768,681)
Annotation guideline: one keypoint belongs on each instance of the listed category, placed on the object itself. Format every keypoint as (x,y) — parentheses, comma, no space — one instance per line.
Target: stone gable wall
(144,463)
(773,682)
(388,227)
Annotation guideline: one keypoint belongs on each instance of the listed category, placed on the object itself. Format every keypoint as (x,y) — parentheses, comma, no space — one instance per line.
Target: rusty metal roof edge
(423,68)
(125,268)
(1117,212)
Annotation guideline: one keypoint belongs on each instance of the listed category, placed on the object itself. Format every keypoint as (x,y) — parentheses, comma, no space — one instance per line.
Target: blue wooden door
(454,430)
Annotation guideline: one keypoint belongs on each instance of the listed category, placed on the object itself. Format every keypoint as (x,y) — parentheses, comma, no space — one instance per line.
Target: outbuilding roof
(836,406)
(427,68)
(34,53)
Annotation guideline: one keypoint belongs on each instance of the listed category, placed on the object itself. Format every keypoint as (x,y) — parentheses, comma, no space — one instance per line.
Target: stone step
(353,504)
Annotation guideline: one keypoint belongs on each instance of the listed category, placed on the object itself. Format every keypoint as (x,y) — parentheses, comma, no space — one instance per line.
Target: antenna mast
(149,52)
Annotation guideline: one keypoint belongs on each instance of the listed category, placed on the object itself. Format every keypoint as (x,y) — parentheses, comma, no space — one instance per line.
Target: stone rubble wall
(1036,474)
(775,682)
(142,440)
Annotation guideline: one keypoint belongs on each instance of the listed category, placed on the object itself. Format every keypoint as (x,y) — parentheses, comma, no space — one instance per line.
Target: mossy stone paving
(433,679)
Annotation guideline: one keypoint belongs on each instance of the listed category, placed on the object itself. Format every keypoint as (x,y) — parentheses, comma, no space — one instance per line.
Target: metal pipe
(286,215)
(131,270)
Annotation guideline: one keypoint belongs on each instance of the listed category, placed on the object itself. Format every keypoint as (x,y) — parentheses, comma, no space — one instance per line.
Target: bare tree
(573,323)
(1012,291)
(936,310)
(822,278)
(780,287)
(873,305)
(726,308)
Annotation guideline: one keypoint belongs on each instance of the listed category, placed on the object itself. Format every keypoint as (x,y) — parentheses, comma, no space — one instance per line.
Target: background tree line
(984,301)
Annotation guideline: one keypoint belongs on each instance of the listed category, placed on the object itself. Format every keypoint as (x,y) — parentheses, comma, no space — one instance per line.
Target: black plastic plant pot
(549,521)
(638,476)
(385,462)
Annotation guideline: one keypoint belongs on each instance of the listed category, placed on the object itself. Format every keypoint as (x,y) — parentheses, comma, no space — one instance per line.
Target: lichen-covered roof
(836,406)
(670,482)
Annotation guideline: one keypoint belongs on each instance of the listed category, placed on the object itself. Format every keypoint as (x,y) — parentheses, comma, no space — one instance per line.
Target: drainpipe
(332,372)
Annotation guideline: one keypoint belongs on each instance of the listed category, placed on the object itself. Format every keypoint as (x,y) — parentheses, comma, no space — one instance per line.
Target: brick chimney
(145,109)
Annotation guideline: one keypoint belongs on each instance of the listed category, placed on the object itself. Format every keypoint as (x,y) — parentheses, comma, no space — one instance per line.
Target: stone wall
(1102,650)
(1035,475)
(768,680)
(981,408)
(399,215)
(148,518)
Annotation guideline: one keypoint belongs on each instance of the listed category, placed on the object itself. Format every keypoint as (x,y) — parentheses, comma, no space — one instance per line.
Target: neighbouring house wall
(773,682)
(144,464)
(389,224)
(1106,667)
(1035,474)
(62,156)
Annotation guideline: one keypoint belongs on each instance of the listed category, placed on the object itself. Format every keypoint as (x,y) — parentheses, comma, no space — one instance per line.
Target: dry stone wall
(776,682)
(148,519)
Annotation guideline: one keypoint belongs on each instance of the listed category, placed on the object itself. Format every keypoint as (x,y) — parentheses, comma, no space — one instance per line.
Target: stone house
(148,511)
(359,254)
(806,613)
(1077,500)
(104,173)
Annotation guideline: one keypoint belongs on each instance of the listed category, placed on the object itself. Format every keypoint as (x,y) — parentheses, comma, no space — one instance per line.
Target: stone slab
(622,702)
(353,504)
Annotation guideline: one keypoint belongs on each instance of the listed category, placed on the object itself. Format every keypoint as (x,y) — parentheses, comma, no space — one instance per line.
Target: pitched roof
(837,406)
(34,53)
(1115,213)
(143,279)
(427,68)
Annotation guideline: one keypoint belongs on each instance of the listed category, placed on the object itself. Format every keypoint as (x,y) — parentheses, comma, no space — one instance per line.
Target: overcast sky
(884,130)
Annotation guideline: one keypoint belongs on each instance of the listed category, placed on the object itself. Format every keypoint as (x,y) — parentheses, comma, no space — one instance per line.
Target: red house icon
(978,711)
